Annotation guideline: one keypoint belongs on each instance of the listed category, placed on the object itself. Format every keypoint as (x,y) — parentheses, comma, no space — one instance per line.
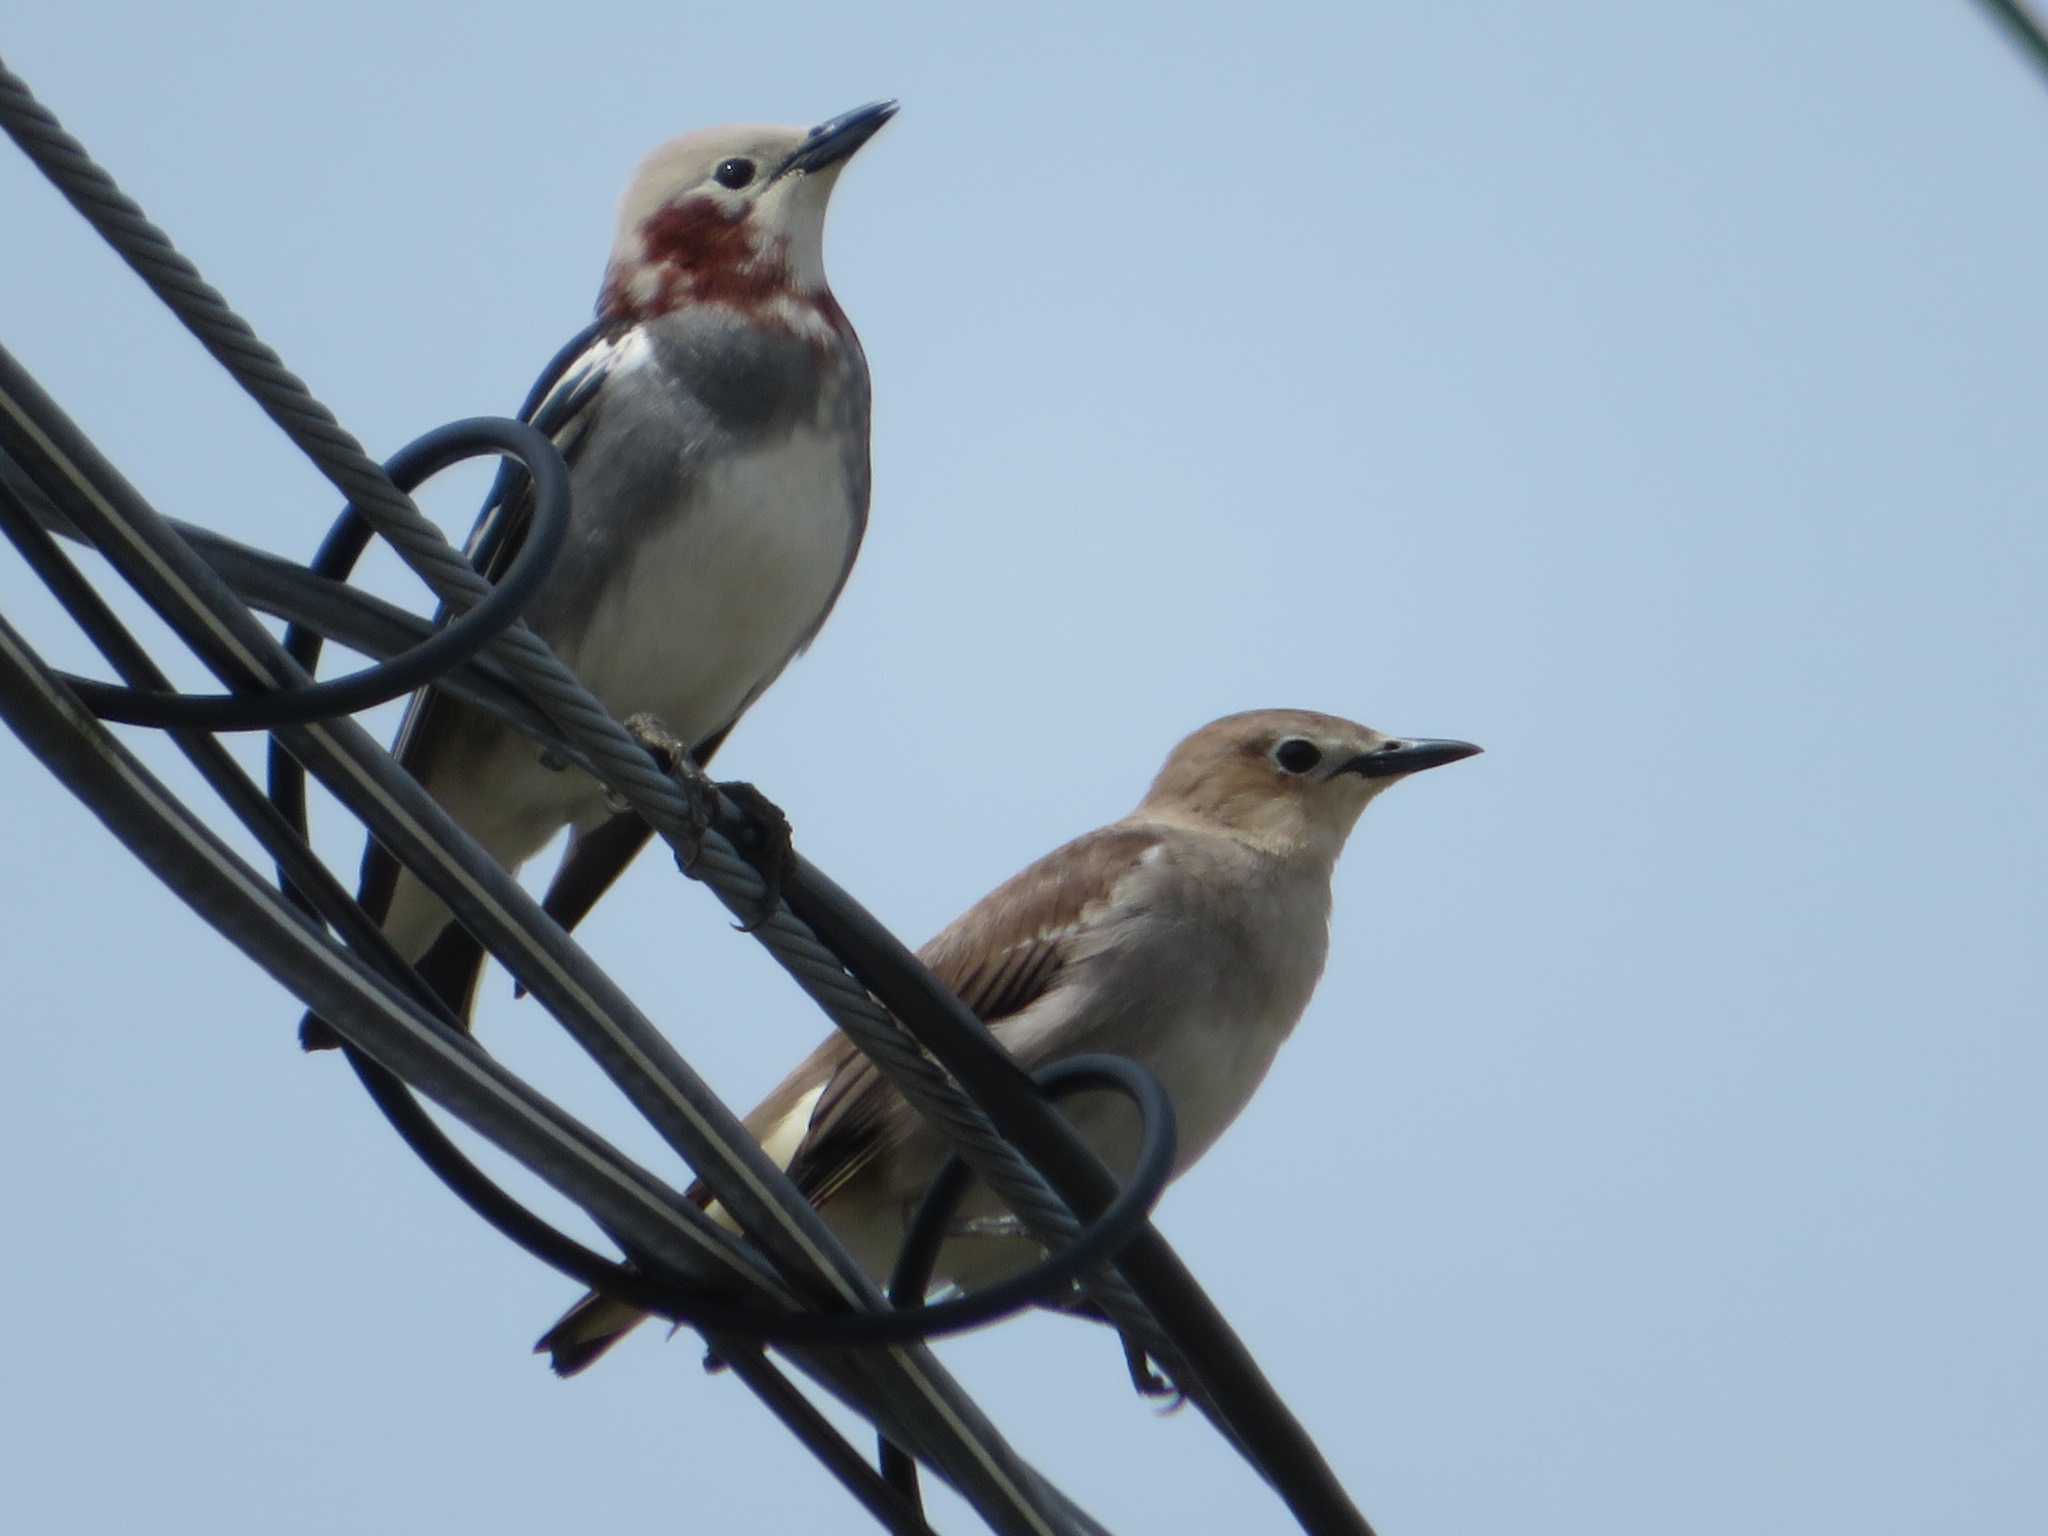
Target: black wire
(2025,27)
(310,882)
(351,534)
(1097,1244)
(57,739)
(456,642)
(919,1254)
(801,1417)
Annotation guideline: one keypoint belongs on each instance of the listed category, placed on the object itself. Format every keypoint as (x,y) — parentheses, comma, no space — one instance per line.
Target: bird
(1189,936)
(714,418)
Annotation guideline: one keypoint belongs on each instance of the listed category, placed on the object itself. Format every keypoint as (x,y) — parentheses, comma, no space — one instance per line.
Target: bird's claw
(1149,1383)
(769,846)
(764,841)
(663,745)
(700,797)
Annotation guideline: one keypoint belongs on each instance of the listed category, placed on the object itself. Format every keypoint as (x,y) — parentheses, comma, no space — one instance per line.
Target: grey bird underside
(635,450)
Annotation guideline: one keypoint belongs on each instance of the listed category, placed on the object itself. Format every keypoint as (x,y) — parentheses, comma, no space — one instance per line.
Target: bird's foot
(663,745)
(700,796)
(1149,1383)
(761,834)
(766,842)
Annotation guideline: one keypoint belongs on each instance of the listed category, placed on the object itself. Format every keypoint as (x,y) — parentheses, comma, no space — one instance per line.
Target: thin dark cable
(450,646)
(876,1494)
(919,1254)
(309,881)
(2024,27)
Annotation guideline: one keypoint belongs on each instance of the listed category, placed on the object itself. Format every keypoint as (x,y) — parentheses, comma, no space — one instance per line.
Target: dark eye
(1296,755)
(734,173)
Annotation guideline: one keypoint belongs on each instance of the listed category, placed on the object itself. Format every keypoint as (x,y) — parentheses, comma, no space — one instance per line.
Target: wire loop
(454,643)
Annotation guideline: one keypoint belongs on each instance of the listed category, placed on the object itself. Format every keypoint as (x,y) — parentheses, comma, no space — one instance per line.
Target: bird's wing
(1002,956)
(559,404)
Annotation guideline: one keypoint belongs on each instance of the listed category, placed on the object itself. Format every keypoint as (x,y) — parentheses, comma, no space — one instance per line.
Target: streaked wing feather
(1004,954)
(558,404)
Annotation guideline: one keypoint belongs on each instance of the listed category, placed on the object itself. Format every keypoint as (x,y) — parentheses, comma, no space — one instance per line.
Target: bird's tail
(586,1331)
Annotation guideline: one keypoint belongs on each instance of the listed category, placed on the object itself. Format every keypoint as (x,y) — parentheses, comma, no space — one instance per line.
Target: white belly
(711,609)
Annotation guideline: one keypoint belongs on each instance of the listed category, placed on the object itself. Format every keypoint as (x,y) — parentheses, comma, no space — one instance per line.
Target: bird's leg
(1148,1382)
(662,744)
(765,842)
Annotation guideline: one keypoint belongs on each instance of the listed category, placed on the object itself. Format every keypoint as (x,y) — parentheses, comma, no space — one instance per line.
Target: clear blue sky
(1650,393)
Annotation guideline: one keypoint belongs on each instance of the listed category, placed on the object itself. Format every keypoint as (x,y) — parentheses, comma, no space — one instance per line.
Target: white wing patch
(603,360)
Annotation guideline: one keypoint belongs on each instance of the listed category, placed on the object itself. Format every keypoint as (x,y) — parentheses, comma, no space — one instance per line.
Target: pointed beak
(836,138)
(1393,759)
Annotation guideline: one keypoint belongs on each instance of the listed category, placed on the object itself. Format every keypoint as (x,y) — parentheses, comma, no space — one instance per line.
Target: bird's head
(736,217)
(1287,779)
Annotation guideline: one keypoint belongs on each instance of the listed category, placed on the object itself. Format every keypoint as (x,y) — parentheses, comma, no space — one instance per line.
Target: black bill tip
(838,137)
(1409,754)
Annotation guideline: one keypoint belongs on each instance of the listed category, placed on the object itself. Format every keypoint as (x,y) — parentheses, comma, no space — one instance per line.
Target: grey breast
(711,386)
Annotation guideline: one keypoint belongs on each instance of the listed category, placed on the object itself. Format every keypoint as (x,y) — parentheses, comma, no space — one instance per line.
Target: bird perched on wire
(1188,936)
(715,423)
